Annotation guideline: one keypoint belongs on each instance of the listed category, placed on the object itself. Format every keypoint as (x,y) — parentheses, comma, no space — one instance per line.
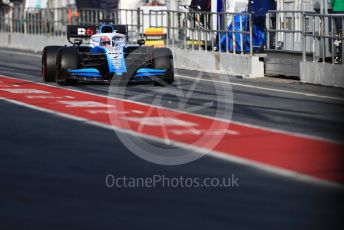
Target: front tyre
(67,58)
(162,59)
(49,63)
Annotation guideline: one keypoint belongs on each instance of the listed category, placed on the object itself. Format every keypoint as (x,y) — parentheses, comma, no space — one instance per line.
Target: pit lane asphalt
(53,169)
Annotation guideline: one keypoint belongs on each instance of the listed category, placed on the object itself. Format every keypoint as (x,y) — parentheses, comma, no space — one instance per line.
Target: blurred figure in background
(154,3)
(338,8)
(2,4)
(202,6)
(205,5)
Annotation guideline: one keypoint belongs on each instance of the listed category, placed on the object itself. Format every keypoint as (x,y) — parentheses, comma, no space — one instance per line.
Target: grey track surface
(52,170)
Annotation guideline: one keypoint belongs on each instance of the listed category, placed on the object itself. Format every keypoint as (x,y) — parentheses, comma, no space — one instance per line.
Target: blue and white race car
(102,54)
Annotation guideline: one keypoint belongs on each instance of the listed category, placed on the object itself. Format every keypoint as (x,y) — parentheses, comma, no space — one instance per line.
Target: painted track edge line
(215,154)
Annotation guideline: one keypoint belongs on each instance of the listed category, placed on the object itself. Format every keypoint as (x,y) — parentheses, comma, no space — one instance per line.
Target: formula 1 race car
(102,54)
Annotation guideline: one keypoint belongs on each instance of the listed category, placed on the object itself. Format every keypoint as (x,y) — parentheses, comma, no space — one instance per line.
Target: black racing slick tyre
(162,58)
(67,58)
(49,63)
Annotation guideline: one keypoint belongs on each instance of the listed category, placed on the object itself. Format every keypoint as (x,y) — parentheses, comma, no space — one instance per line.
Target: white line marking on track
(215,154)
(138,112)
(117,112)
(25,91)
(85,104)
(159,121)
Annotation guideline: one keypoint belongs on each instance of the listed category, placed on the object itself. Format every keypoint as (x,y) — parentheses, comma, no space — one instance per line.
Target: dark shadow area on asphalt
(53,177)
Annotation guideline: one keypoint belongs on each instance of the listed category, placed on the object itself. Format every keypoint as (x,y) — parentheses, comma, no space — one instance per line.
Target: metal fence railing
(284,30)
(32,21)
(54,21)
(198,30)
(297,31)
(222,32)
(11,19)
(306,33)
(326,34)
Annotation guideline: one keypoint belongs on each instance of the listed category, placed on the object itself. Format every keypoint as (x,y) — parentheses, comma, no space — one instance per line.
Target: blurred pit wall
(30,42)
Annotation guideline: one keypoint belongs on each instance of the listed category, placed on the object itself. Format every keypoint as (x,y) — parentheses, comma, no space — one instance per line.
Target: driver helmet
(105,41)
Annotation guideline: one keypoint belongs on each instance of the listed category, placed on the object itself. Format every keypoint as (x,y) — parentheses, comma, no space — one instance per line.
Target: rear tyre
(49,63)
(67,58)
(162,58)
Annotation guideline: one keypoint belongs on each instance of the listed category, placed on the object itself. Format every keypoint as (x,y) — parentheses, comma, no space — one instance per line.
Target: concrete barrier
(29,42)
(322,73)
(226,63)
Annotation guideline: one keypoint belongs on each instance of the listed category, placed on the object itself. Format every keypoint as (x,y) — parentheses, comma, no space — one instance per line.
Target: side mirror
(141,42)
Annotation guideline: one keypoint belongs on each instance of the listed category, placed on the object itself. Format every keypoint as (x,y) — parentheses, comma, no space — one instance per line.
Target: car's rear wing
(86,31)
(80,31)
